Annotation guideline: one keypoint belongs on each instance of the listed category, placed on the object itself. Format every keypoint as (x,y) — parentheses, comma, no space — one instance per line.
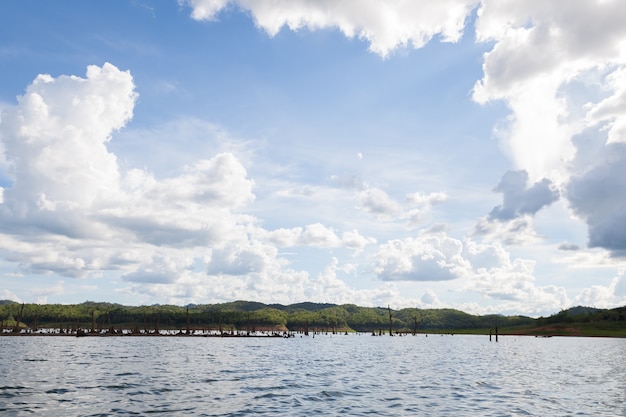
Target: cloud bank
(384,25)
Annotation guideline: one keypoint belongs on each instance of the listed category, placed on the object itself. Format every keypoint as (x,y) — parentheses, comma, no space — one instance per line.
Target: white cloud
(43,293)
(70,209)
(182,237)
(205,9)
(242,260)
(518,231)
(561,72)
(611,296)
(328,287)
(354,240)
(425,258)
(512,282)
(415,210)
(378,203)
(8,295)
(430,300)
(55,140)
(162,269)
(385,25)
(315,235)
(611,110)
(421,199)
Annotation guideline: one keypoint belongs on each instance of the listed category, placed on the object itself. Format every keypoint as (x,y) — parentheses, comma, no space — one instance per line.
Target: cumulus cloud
(425,258)
(55,140)
(430,300)
(379,203)
(561,71)
(414,210)
(327,286)
(8,295)
(71,209)
(518,231)
(486,269)
(565,40)
(611,111)
(241,260)
(610,296)
(161,269)
(520,199)
(511,281)
(596,195)
(384,25)
(511,222)
(315,235)
(537,48)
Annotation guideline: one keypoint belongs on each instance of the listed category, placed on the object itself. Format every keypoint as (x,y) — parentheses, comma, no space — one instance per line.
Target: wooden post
(390,322)
(496,333)
(490,335)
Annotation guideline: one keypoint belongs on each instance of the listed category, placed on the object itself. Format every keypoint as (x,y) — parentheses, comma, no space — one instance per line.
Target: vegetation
(253,316)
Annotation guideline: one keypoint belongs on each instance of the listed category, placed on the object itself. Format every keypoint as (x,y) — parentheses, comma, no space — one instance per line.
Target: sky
(458,154)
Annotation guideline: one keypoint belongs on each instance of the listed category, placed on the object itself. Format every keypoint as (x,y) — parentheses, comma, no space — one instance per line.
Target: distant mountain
(234,306)
(307,306)
(315,316)
(581,311)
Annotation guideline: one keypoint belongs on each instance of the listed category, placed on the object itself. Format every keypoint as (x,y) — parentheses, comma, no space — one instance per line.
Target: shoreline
(287,334)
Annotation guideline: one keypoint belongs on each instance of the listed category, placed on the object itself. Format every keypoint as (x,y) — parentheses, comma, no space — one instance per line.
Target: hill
(314,316)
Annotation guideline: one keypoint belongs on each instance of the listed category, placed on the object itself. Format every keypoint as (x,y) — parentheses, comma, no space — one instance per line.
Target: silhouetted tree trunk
(188,328)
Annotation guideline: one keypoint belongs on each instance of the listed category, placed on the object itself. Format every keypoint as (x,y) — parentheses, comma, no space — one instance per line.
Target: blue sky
(464,154)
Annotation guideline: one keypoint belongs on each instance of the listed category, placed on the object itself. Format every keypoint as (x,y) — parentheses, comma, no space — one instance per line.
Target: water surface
(323,375)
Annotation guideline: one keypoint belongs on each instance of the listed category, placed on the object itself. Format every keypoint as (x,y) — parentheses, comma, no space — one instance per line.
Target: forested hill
(322,317)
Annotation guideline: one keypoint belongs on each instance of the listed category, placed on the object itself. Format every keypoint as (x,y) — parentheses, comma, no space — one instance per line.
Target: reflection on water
(325,375)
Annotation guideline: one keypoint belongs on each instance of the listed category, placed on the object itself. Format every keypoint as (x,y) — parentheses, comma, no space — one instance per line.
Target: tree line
(251,316)
(245,315)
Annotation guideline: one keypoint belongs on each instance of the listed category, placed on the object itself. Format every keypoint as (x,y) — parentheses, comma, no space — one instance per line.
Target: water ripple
(344,375)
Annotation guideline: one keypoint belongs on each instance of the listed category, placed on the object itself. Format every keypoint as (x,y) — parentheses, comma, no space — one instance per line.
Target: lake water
(353,375)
